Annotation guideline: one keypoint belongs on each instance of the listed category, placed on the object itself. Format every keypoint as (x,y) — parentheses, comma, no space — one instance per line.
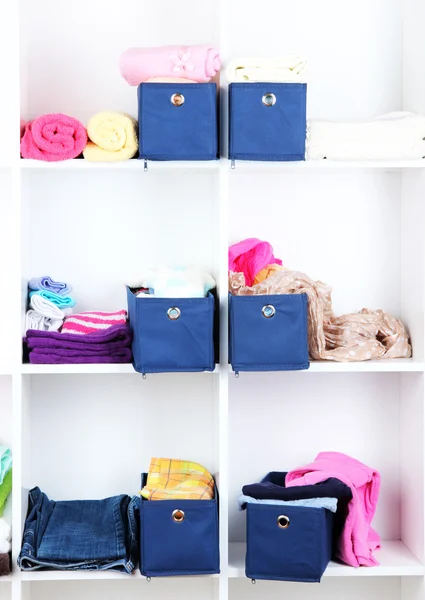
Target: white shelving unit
(85,431)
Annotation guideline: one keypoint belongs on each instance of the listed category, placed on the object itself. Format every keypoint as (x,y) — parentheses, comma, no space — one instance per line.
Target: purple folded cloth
(47,283)
(4,565)
(50,358)
(113,338)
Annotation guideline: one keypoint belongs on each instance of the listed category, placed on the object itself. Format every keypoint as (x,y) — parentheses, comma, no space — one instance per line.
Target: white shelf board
(90,575)
(396,365)
(395,561)
(128,165)
(94,369)
(386,165)
(224,163)
(390,365)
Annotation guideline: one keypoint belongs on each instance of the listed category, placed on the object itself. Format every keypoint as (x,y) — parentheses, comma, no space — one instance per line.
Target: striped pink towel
(89,322)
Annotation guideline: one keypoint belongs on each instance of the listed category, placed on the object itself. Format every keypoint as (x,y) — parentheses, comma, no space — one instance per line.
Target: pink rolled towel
(53,137)
(199,63)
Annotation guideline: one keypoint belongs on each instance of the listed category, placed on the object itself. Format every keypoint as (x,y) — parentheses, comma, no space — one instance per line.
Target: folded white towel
(33,320)
(393,136)
(5,537)
(290,69)
(177,282)
(46,308)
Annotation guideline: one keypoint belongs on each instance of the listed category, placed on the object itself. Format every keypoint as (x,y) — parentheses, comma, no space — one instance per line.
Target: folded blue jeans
(80,534)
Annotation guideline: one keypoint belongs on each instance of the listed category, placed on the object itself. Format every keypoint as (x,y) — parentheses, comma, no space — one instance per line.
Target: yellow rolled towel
(113,137)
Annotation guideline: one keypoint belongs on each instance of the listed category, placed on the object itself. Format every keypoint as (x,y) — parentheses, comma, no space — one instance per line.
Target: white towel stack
(393,136)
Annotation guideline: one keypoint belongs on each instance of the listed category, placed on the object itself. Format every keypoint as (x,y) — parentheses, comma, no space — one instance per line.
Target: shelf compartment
(395,561)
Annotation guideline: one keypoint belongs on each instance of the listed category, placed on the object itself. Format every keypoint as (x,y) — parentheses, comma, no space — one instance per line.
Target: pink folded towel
(53,137)
(358,540)
(199,63)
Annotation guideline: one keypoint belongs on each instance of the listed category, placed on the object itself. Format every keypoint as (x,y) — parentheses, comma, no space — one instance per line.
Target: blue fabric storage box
(178,122)
(288,543)
(172,334)
(267,121)
(179,537)
(268,333)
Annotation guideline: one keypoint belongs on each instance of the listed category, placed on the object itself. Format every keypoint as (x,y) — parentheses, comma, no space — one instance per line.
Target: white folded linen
(290,69)
(392,136)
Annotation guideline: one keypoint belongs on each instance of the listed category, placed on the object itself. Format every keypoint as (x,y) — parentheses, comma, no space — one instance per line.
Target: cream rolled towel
(290,69)
(113,137)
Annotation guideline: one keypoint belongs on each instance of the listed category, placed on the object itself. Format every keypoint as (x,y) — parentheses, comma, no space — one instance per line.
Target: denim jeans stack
(80,534)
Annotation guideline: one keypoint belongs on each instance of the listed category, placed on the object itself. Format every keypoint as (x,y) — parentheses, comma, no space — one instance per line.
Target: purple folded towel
(113,338)
(112,345)
(41,358)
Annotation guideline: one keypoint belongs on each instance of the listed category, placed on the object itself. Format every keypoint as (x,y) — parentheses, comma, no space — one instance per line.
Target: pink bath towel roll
(199,63)
(53,137)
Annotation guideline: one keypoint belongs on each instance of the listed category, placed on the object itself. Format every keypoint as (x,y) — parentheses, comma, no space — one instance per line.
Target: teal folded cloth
(5,462)
(59,301)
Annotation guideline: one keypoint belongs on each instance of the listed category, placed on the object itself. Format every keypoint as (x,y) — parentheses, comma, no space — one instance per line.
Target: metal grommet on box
(269,99)
(178,516)
(268,311)
(177,99)
(173,313)
(283,522)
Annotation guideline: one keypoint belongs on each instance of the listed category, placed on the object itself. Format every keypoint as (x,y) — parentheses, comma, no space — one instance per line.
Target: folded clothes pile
(368,334)
(80,534)
(393,136)
(91,342)
(5,510)
(338,483)
(177,282)
(49,304)
(289,69)
(170,64)
(171,479)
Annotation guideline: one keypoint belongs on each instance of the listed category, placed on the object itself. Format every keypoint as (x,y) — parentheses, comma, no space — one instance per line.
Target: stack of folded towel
(5,510)
(80,534)
(289,69)
(172,479)
(176,282)
(393,136)
(49,304)
(170,64)
(90,342)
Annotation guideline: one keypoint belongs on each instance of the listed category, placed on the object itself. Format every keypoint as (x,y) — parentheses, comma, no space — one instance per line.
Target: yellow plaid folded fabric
(171,479)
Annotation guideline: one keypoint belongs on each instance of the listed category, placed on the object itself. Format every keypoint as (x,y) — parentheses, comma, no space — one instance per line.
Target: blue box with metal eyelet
(178,122)
(172,334)
(287,543)
(268,333)
(267,121)
(179,537)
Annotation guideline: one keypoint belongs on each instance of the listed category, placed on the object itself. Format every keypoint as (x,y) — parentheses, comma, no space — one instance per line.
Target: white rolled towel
(392,136)
(5,537)
(289,69)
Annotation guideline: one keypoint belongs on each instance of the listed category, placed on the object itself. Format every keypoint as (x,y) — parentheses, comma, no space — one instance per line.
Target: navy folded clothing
(272,487)
(80,534)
